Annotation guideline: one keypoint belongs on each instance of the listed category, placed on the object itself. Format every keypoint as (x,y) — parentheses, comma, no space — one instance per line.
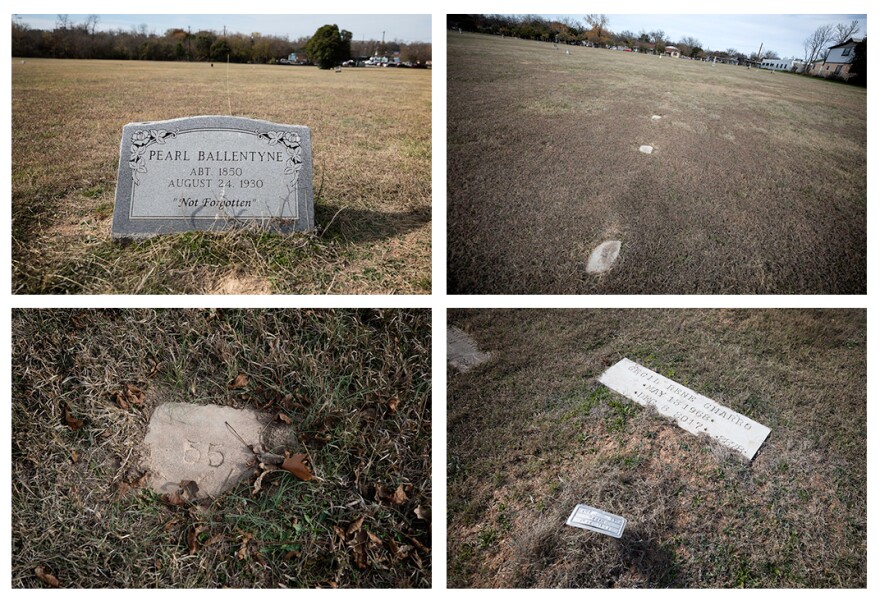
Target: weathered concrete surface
(192,442)
(603,256)
(461,350)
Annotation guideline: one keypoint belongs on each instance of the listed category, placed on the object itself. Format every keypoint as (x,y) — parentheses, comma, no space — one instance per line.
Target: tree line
(85,41)
(594,30)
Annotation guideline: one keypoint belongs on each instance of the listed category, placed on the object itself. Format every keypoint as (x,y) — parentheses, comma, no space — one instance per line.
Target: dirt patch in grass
(241,284)
(355,385)
(757,182)
(371,133)
(531,433)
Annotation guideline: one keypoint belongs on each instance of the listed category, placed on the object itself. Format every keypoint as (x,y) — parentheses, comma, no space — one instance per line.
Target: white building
(781,64)
(839,60)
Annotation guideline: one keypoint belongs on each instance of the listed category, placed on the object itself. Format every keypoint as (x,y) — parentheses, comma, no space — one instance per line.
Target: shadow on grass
(336,222)
(656,563)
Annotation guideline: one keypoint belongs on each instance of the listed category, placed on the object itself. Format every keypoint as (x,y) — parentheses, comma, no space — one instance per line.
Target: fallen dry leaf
(375,539)
(419,545)
(213,540)
(192,538)
(393,402)
(355,526)
(258,484)
(359,549)
(134,394)
(422,513)
(190,489)
(174,498)
(294,464)
(120,400)
(122,490)
(46,577)
(283,417)
(243,551)
(74,456)
(75,424)
(399,496)
(154,371)
(240,381)
(291,554)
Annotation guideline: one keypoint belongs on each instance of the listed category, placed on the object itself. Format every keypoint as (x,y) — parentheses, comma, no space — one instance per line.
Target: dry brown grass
(371,133)
(531,433)
(77,511)
(757,183)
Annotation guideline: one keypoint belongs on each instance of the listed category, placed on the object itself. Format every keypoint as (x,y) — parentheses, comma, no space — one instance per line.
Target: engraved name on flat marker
(692,411)
(590,518)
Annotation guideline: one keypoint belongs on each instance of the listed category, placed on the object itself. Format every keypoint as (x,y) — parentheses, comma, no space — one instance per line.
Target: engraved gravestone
(692,411)
(213,173)
(198,442)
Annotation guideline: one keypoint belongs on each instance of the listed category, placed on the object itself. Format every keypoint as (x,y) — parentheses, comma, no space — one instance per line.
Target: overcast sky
(407,28)
(783,33)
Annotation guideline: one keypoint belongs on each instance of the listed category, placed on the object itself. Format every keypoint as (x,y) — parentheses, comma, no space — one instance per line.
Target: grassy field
(757,183)
(371,136)
(355,384)
(531,433)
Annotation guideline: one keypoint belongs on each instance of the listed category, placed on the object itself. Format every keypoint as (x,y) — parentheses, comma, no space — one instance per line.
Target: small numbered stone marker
(692,411)
(193,442)
(213,173)
(590,518)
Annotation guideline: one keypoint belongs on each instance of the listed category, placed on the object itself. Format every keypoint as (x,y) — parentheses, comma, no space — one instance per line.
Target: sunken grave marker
(213,173)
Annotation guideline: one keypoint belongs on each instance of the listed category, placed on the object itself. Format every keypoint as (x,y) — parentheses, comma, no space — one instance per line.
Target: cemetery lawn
(371,137)
(80,513)
(531,433)
(757,183)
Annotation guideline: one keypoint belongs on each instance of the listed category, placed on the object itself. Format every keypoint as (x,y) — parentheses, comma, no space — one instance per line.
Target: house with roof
(673,51)
(839,60)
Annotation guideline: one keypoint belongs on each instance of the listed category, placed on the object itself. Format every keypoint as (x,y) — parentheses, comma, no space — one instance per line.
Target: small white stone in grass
(603,256)
(656,117)
(646,149)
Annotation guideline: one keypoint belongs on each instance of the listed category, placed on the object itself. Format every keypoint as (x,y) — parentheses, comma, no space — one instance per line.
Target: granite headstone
(213,173)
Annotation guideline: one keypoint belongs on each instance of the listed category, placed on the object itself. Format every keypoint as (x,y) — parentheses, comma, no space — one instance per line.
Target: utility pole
(224,31)
(759,52)
(383,44)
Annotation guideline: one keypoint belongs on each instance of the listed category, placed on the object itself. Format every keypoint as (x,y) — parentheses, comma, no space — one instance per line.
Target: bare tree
(815,44)
(843,32)
(62,22)
(92,23)
(770,54)
(598,22)
(658,38)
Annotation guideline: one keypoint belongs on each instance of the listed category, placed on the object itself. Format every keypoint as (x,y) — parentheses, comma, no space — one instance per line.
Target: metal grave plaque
(590,518)
(692,411)
(213,173)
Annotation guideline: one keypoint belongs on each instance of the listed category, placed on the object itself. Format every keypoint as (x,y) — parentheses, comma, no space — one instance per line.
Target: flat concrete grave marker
(644,148)
(461,350)
(590,518)
(213,173)
(192,442)
(692,411)
(603,256)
